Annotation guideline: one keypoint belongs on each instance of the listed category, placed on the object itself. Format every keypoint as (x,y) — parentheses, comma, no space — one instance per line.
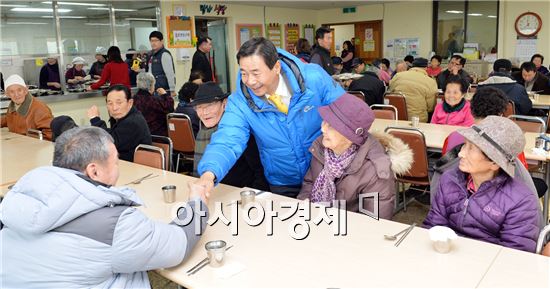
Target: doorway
(216,29)
(367,37)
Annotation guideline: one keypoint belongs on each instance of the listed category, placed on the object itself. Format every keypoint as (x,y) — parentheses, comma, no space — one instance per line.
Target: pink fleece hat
(350,116)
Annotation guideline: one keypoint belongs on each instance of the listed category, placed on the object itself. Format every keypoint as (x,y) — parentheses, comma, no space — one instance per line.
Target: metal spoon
(394,237)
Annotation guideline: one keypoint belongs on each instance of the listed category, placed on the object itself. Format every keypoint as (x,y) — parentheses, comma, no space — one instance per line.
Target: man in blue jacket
(276,100)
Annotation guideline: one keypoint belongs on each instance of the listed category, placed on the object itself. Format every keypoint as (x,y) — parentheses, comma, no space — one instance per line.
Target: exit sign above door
(349,10)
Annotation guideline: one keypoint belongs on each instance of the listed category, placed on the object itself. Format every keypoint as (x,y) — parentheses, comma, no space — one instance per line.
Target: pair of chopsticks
(411,227)
(138,181)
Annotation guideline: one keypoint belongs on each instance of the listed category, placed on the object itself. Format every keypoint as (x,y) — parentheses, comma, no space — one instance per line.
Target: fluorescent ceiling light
(12,5)
(140,19)
(116,9)
(65,17)
(492,16)
(475,14)
(50,10)
(454,11)
(105,24)
(76,4)
(23,23)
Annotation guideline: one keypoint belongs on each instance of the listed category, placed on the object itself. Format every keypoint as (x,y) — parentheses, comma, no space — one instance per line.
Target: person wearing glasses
(210,102)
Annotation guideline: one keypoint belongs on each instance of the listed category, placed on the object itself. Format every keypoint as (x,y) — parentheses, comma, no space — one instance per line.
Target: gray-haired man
(67,226)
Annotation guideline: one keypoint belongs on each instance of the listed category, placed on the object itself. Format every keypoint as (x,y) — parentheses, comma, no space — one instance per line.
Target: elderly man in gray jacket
(66,226)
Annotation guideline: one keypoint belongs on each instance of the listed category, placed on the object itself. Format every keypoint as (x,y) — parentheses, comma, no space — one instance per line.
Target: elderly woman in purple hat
(481,199)
(348,161)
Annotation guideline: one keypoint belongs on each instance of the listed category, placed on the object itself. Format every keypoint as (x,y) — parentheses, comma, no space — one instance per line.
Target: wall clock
(528,24)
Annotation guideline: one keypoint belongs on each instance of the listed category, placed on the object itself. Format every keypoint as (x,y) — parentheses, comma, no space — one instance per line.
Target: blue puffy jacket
(283,140)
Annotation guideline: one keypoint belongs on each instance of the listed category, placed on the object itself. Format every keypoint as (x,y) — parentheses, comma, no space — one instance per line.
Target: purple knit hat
(350,116)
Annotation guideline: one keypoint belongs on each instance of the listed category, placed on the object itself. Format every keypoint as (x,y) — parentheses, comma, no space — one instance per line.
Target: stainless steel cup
(247,197)
(169,193)
(216,252)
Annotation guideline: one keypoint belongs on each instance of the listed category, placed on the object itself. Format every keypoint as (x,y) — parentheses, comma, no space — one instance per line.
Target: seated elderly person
(75,75)
(24,111)
(68,226)
(481,198)
(501,78)
(370,85)
(209,102)
(348,161)
(127,125)
(337,64)
(154,105)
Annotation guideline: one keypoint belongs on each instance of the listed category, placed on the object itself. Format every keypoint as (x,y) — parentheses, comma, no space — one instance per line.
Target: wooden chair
(358,93)
(529,123)
(180,131)
(149,155)
(510,109)
(398,100)
(165,143)
(384,111)
(472,88)
(543,242)
(418,173)
(35,133)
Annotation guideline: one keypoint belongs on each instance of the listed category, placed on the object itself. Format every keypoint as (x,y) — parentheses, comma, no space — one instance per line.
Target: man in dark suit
(201,59)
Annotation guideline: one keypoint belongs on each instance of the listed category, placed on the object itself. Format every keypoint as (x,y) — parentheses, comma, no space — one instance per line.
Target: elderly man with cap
(501,78)
(75,75)
(210,102)
(347,161)
(49,75)
(24,111)
(419,89)
(481,198)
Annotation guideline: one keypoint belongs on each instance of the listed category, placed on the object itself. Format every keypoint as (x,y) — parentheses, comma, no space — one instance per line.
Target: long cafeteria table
(360,258)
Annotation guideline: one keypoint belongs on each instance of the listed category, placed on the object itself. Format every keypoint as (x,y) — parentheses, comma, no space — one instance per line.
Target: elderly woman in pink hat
(347,161)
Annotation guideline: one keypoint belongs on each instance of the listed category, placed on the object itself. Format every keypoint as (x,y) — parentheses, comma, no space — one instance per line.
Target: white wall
(404,19)
(235,14)
(341,34)
(409,19)
(507,39)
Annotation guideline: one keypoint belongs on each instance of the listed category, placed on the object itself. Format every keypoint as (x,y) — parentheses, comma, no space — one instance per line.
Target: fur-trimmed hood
(400,154)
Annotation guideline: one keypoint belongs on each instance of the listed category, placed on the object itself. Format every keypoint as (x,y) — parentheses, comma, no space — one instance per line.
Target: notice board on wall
(181,31)
(292,33)
(273,31)
(247,31)
(309,33)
